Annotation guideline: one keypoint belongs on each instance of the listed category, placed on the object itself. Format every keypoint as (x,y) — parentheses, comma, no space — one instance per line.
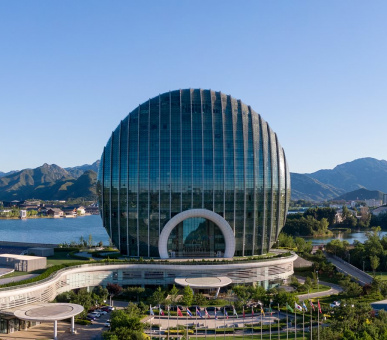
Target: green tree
(374,262)
(187,297)
(173,293)
(199,299)
(90,241)
(157,297)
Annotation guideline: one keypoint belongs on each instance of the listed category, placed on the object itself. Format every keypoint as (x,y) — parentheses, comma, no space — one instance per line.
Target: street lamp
(318,285)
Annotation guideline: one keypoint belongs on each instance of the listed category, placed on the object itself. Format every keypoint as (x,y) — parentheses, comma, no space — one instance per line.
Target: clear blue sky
(71,70)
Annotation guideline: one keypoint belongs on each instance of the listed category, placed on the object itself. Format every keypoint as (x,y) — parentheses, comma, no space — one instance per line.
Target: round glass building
(193,173)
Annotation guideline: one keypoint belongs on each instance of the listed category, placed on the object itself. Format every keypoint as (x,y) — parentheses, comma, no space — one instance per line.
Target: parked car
(96,314)
(107,324)
(101,311)
(90,317)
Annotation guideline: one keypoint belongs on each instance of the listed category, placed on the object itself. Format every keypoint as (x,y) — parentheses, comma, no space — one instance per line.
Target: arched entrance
(219,221)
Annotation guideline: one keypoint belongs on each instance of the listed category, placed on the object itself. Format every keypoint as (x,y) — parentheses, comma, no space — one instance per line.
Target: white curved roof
(204,282)
(48,311)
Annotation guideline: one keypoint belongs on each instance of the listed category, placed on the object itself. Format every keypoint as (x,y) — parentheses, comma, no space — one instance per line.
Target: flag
(225,313)
(289,308)
(198,313)
(179,313)
(297,306)
(161,311)
(169,311)
(151,311)
(234,312)
(243,312)
(304,306)
(319,307)
(205,312)
(252,312)
(216,315)
(189,312)
(311,304)
(262,311)
(270,311)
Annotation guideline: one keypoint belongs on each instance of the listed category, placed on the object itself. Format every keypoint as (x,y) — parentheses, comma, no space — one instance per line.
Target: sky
(70,70)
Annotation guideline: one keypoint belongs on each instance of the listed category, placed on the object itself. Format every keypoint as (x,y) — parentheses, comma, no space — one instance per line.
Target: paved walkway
(46,331)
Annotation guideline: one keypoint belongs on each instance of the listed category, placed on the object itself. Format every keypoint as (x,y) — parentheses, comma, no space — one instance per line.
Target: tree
(113,289)
(173,293)
(90,241)
(157,297)
(187,296)
(374,262)
(199,299)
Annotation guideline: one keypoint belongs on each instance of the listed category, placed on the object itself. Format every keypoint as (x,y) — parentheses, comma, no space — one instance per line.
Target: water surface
(53,230)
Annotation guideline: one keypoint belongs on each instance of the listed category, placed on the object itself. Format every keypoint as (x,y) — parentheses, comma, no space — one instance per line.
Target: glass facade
(190,149)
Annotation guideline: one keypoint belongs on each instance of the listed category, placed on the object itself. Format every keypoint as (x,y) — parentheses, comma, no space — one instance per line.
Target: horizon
(80,165)
(71,71)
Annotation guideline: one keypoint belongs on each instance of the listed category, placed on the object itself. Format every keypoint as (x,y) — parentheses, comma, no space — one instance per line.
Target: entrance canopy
(204,282)
(48,311)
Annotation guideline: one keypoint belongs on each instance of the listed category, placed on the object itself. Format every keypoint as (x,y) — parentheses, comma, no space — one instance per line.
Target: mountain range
(49,182)
(362,178)
(363,173)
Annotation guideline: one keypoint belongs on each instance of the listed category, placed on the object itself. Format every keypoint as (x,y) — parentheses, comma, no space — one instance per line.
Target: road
(335,289)
(344,267)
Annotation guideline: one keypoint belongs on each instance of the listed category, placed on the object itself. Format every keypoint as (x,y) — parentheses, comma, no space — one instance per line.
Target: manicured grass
(15,274)
(321,288)
(62,258)
(379,275)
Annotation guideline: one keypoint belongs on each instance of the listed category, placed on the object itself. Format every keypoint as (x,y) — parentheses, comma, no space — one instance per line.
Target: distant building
(81,211)
(373,203)
(384,199)
(379,210)
(23,214)
(54,212)
(69,211)
(23,263)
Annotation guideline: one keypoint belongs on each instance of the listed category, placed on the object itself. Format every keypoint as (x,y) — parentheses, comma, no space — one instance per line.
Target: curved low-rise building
(193,173)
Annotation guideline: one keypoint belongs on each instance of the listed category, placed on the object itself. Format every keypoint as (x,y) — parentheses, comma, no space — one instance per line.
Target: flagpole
(279,333)
(303,324)
(311,323)
(252,323)
(318,320)
(160,324)
(196,322)
(205,323)
(271,314)
(186,320)
(261,324)
(243,324)
(224,322)
(287,323)
(295,323)
(177,322)
(169,313)
(216,316)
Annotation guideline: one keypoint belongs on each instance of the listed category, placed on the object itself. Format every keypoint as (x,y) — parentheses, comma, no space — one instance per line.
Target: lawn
(379,275)
(321,288)
(62,257)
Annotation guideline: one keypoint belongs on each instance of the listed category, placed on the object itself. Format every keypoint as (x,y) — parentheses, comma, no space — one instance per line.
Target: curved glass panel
(189,149)
(196,237)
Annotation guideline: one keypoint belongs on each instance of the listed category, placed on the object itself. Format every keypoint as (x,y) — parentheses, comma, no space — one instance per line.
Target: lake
(350,237)
(53,230)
